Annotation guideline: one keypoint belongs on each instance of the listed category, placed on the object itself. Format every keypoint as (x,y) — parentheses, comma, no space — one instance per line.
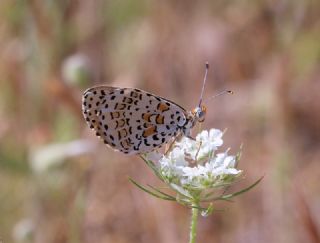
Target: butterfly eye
(200,113)
(201,117)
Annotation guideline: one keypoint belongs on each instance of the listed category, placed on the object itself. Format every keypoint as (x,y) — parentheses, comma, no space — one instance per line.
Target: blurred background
(59,183)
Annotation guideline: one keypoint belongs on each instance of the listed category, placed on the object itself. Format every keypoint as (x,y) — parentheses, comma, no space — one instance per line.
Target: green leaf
(161,196)
(161,192)
(231,195)
(153,167)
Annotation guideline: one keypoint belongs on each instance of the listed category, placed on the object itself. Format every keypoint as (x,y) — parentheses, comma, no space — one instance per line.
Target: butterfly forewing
(131,120)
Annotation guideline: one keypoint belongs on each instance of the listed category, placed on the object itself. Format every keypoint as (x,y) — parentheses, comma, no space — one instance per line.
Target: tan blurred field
(59,183)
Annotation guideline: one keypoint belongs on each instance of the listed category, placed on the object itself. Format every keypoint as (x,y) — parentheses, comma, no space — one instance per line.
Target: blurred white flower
(23,231)
(76,70)
(52,155)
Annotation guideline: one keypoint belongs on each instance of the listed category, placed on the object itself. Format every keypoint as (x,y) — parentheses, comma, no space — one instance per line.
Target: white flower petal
(229,161)
(213,169)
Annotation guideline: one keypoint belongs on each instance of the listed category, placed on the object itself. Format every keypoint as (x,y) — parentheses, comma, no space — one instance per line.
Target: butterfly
(135,121)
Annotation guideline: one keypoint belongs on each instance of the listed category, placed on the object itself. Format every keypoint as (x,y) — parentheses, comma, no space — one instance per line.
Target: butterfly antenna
(221,93)
(204,83)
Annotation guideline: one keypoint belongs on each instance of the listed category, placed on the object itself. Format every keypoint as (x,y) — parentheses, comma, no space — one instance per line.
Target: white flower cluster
(193,164)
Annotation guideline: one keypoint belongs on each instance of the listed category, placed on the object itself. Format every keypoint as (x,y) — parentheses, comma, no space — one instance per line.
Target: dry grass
(268,52)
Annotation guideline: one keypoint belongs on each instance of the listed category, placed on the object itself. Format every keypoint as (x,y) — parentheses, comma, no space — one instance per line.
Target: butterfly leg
(196,157)
(176,138)
(191,138)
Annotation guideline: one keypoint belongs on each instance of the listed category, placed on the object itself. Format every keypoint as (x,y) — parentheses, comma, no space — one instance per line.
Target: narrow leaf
(231,195)
(143,188)
(161,192)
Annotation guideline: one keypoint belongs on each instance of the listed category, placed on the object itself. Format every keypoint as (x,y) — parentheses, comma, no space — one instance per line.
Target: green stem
(194,222)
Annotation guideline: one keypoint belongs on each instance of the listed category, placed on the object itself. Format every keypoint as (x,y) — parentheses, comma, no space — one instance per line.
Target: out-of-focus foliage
(267,52)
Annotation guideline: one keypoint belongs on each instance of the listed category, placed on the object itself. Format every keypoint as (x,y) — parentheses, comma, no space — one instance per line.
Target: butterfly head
(199,113)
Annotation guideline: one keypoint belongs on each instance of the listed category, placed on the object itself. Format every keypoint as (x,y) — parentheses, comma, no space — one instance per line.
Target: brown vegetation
(267,52)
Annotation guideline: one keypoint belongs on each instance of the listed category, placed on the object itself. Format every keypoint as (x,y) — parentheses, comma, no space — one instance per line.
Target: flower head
(192,164)
(195,170)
